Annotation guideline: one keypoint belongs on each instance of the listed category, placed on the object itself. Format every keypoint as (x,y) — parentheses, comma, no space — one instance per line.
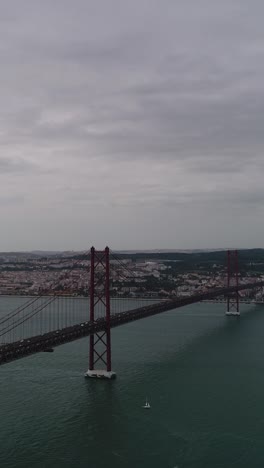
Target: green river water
(202,372)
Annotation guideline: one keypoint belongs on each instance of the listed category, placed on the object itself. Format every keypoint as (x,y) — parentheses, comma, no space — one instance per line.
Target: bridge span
(48,341)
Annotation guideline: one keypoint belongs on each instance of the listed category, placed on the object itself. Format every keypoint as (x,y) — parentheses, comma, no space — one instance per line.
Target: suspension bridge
(41,323)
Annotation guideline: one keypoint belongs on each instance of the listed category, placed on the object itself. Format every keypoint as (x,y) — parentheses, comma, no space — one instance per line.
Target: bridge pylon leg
(100,343)
(232,280)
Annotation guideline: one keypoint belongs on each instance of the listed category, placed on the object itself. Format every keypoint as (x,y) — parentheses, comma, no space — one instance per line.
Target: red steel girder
(100,295)
(232,281)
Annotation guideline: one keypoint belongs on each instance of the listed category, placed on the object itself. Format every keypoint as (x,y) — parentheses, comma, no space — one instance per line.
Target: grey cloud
(15,200)
(238,199)
(121,50)
(141,107)
(15,166)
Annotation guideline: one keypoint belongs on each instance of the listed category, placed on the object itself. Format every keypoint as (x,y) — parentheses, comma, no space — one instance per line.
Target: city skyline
(134,125)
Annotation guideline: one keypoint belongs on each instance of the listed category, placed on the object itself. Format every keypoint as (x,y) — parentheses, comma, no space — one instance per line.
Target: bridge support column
(232,280)
(100,343)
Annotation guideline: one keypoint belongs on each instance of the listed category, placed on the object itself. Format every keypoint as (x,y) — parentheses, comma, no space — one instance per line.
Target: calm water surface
(202,372)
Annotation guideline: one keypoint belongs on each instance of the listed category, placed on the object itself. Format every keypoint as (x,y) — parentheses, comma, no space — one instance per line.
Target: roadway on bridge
(46,342)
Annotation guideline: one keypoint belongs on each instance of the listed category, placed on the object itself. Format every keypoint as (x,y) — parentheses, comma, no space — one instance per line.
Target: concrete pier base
(100,374)
(234,313)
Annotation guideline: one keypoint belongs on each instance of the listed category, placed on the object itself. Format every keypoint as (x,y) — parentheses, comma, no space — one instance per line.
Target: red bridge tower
(232,281)
(100,343)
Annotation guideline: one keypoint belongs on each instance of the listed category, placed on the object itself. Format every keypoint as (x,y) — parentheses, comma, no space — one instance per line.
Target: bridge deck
(19,349)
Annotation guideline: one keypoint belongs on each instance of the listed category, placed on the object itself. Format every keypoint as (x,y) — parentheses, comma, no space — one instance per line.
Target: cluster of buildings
(34,276)
(177,284)
(68,276)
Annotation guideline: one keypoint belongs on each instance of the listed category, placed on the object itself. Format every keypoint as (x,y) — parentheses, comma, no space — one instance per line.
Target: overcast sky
(134,124)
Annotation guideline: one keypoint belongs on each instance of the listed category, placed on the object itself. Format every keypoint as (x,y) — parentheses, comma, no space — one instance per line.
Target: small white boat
(147,405)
